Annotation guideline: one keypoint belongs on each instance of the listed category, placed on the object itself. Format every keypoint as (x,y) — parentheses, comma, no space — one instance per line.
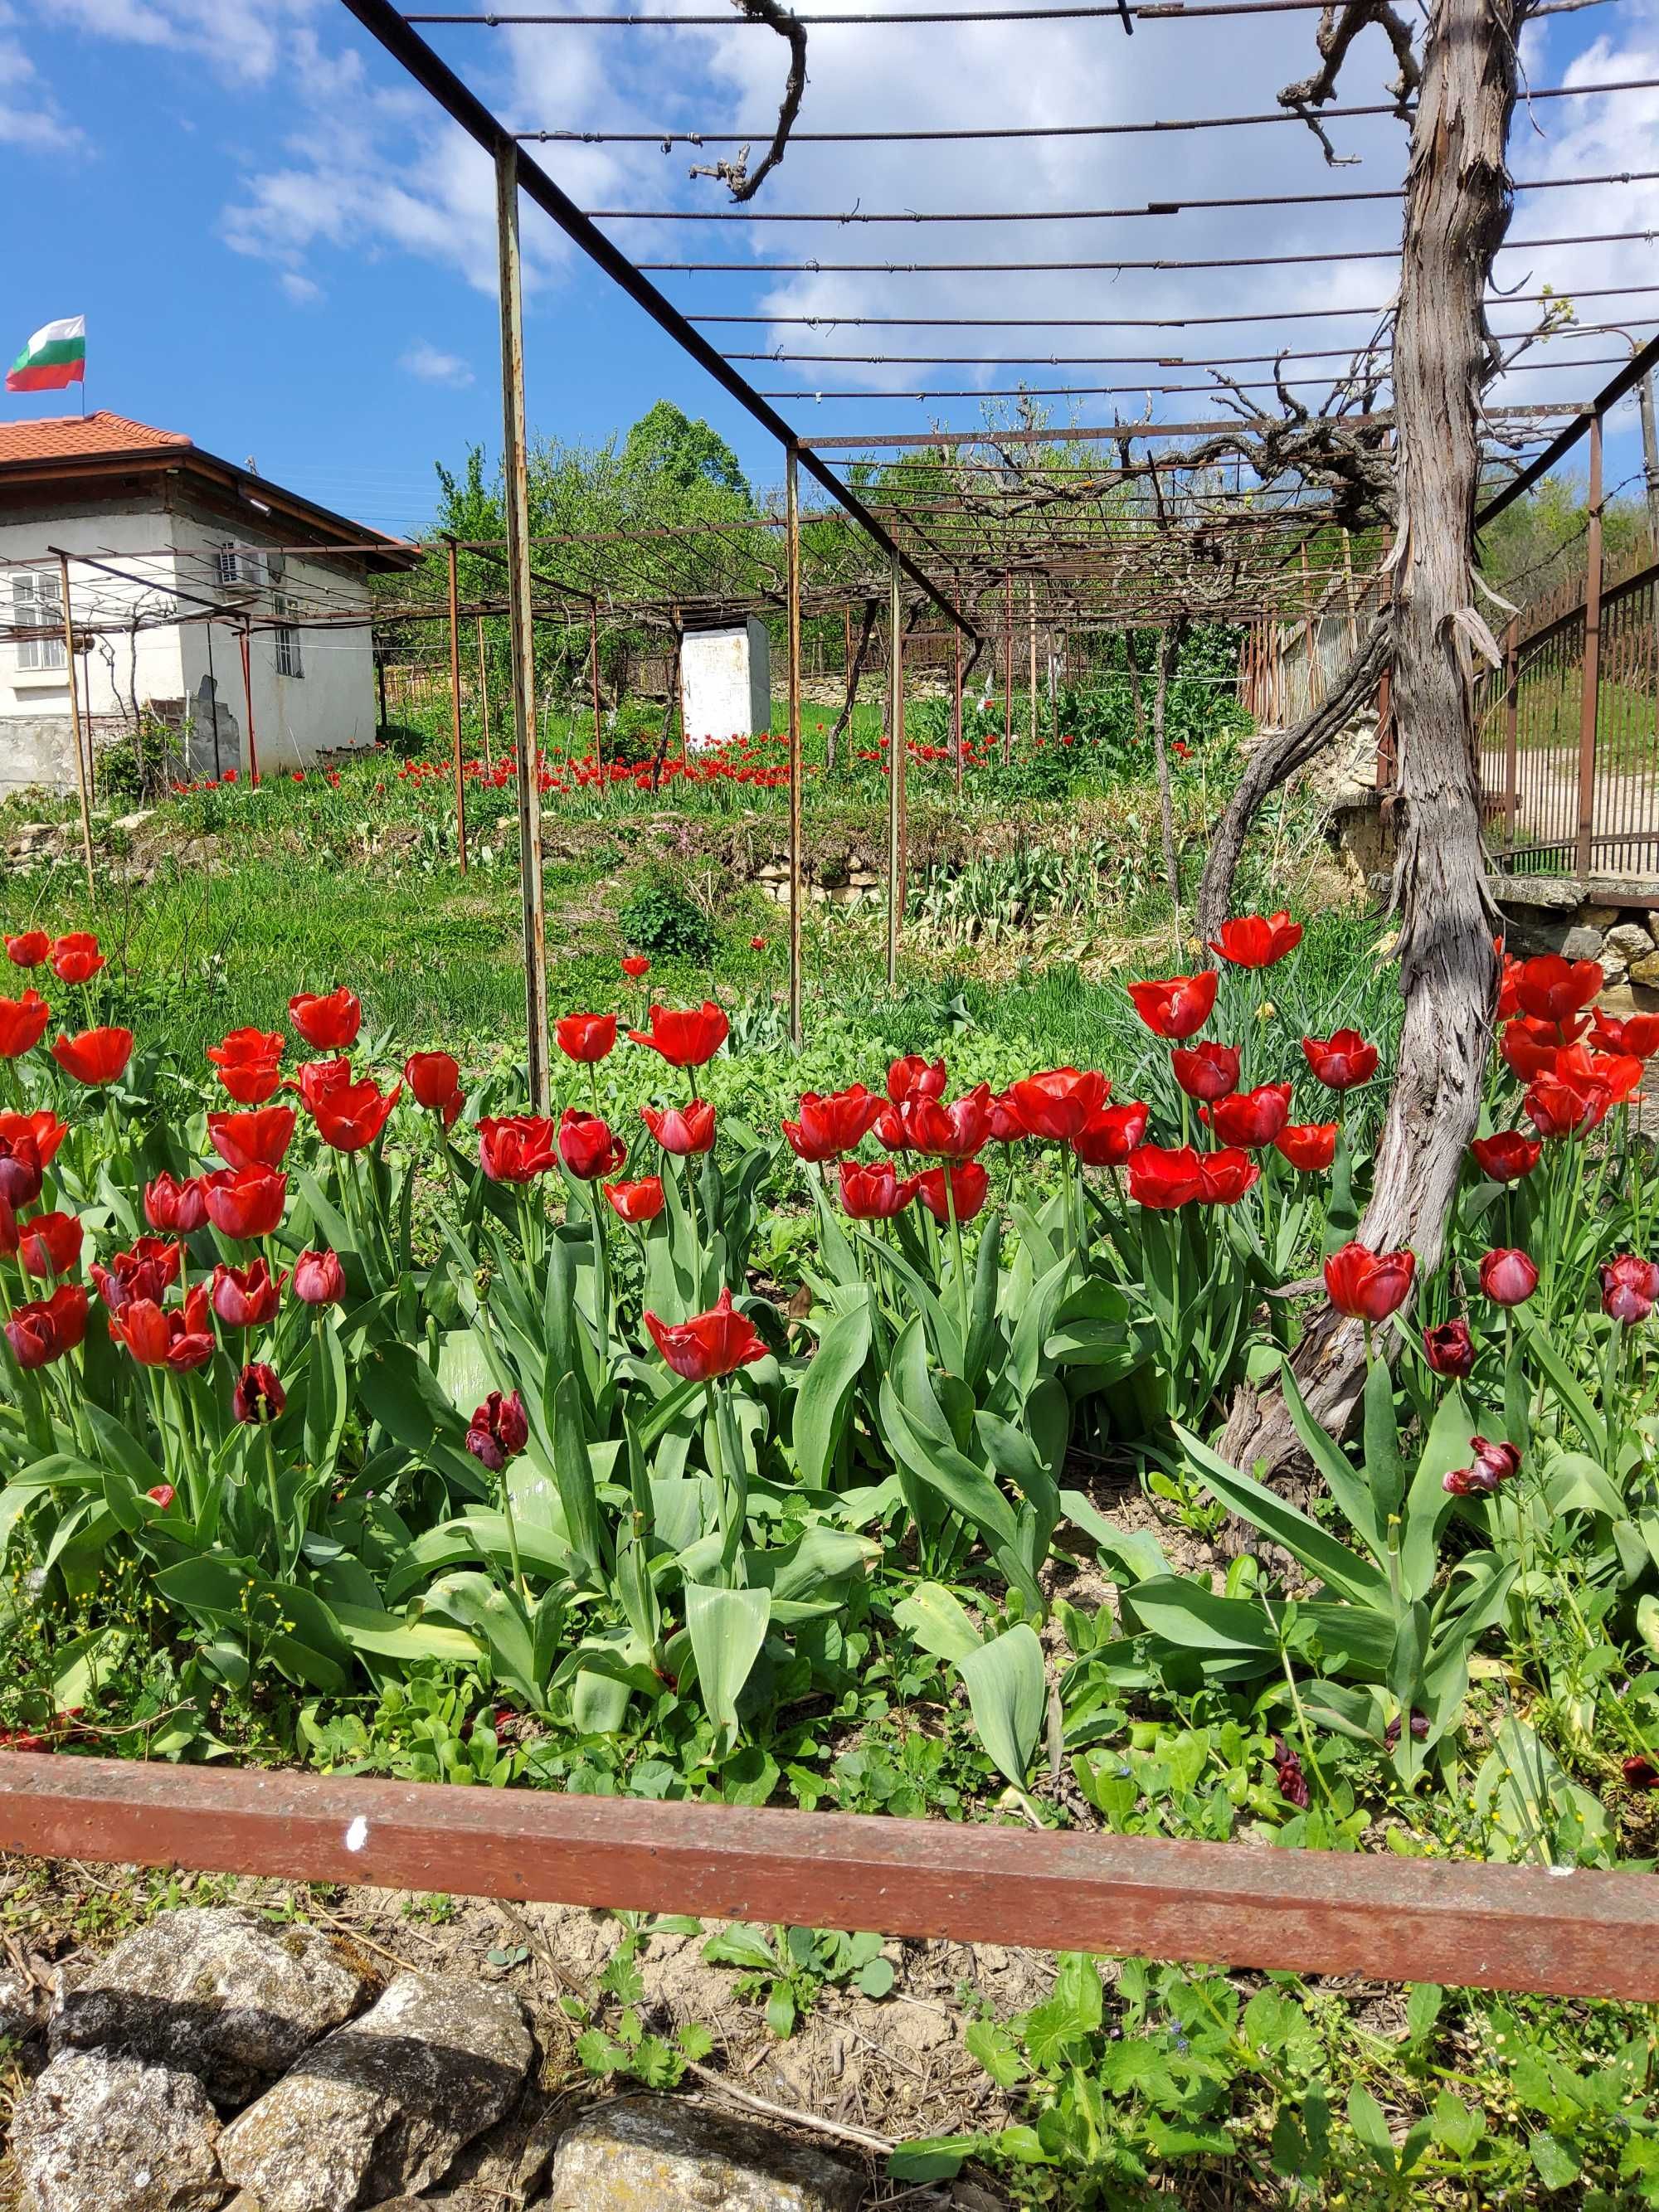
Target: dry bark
(1457,208)
(867,631)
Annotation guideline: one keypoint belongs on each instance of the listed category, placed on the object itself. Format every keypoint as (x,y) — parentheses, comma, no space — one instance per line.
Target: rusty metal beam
(1556,1932)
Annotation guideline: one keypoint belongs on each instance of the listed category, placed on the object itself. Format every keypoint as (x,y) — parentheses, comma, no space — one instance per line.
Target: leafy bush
(662,919)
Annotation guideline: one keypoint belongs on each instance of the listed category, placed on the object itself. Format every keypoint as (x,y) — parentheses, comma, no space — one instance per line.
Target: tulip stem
(959,1259)
(696,1229)
(275,1498)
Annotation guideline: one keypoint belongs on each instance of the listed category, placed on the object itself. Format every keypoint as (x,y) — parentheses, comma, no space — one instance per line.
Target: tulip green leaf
(727,1628)
(1321,1553)
(1007,1696)
(937,1622)
(826,1392)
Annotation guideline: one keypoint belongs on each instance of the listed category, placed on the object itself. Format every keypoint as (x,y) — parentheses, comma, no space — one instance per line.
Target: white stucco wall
(725,682)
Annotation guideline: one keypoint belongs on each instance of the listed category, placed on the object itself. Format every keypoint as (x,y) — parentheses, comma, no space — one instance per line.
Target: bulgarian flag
(54,357)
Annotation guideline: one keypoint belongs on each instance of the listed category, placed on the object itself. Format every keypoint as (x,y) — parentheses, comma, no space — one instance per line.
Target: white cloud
(433,366)
(243,39)
(300,289)
(30,116)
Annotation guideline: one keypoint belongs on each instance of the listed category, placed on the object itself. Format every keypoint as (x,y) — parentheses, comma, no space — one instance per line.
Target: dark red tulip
(1506,1156)
(22,1024)
(515,1147)
(1251,1118)
(329,1024)
(318,1279)
(20,1169)
(1368,1285)
(1256,940)
(636,1202)
(1055,1106)
(75,958)
(176,1337)
(259,1398)
(50,1245)
(684,1132)
(877,1192)
(1177,1007)
(1109,1137)
(685,1037)
(498,1431)
(1163,1177)
(1630,1287)
(635,965)
(1508,1277)
(259,1138)
(96,1057)
(709,1344)
(832,1123)
(8,1230)
(1493,1465)
(956,1131)
(1641,1772)
(1553,989)
(46,1328)
(353,1116)
(1288,1774)
(586,1037)
(246,1297)
(1224,1177)
(970,1186)
(149,1271)
(1391,1735)
(1450,1349)
(28,949)
(435,1079)
(249,1064)
(586,1145)
(246,1202)
(180,1206)
(1635,1034)
(1206,1071)
(913,1076)
(1342,1061)
(1310,1146)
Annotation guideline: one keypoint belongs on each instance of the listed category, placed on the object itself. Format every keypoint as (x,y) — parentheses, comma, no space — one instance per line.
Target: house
(202,597)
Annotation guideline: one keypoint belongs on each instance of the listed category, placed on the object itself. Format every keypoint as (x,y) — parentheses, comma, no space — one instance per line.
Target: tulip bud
(1450,1349)
(318,1279)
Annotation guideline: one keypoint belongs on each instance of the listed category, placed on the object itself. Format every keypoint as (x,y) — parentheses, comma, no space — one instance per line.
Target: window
(239,564)
(37,603)
(287,639)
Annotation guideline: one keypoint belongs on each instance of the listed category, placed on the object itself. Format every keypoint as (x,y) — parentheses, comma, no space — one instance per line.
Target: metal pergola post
(455,702)
(80,750)
(792,498)
(896,791)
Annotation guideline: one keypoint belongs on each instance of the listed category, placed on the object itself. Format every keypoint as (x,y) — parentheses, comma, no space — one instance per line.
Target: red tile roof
(68,437)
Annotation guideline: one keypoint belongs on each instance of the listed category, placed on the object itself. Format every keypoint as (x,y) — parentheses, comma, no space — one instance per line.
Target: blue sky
(282,250)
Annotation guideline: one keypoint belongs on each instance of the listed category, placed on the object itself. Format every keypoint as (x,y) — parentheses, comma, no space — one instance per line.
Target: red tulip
(1563,1108)
(709,1344)
(248,1064)
(175,1337)
(683,1131)
(1450,1349)
(1493,1463)
(1527,1048)
(149,1271)
(876,1191)
(259,1138)
(1641,1772)
(96,1056)
(435,1078)
(50,1245)
(1224,1177)
(28,949)
(316,1080)
(1163,1177)
(1630,1287)
(180,1207)
(320,1279)
(328,1024)
(1007,1127)
(913,1076)
(258,1397)
(75,958)
(638,1201)
(45,1329)
(1552,989)
(1206,1071)
(955,1132)
(246,1202)
(1256,940)
(1508,1277)
(1310,1146)
(162,1495)
(22,1024)
(1055,1106)
(1341,1060)
(832,1123)
(1506,1156)
(246,1297)
(1508,1003)
(1251,1118)
(1635,1034)
(686,1037)
(354,1115)
(1368,1285)
(20,1169)
(635,965)
(757,945)
(1178,1007)
(515,1147)
(499,1430)
(43,1129)
(1108,1138)
(586,1145)
(970,1187)
(1620,1074)
(586,1037)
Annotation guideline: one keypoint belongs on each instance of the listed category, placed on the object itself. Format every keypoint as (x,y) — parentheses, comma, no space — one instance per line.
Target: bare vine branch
(1336,34)
(740,180)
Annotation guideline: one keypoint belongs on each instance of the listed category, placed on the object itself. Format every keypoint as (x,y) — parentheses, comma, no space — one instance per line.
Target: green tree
(682,453)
